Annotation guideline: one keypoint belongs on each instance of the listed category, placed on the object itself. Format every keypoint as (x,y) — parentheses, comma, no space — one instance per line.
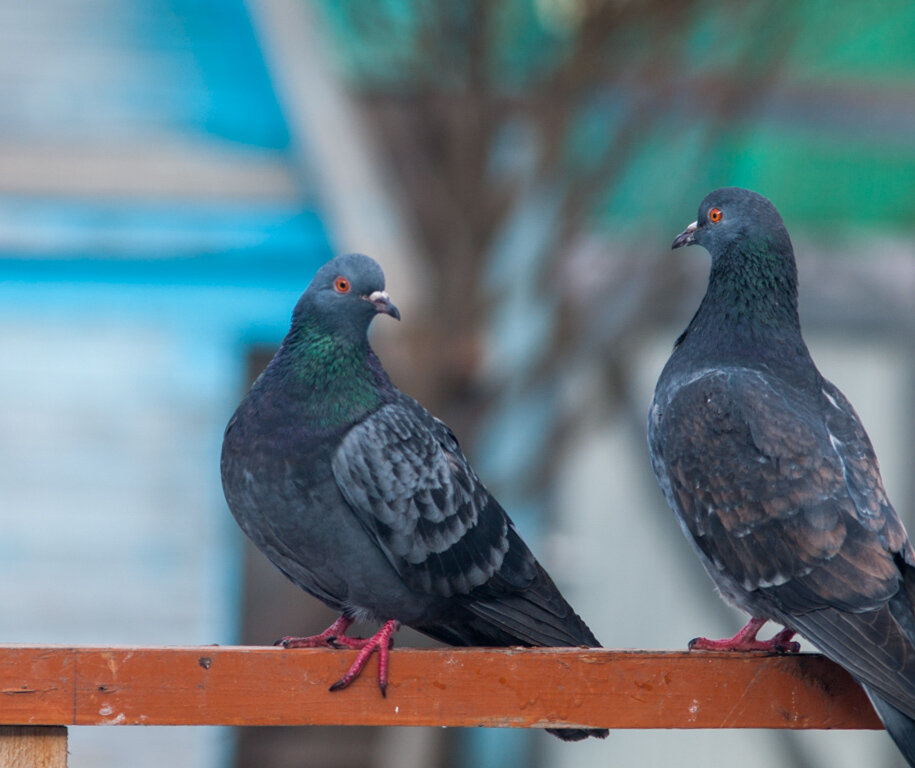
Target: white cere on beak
(379,296)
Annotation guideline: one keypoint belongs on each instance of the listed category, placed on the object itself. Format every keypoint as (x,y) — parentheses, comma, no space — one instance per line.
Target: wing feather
(404,475)
(777,497)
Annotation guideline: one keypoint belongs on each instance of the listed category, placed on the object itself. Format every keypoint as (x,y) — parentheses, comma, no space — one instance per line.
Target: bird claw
(348,678)
(745,640)
(358,643)
(335,637)
(382,642)
(329,638)
(729,644)
(352,643)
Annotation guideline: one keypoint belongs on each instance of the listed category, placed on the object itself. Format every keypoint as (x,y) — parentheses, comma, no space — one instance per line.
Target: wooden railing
(43,689)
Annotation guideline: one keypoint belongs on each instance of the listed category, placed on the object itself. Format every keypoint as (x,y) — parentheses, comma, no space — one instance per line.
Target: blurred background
(172,172)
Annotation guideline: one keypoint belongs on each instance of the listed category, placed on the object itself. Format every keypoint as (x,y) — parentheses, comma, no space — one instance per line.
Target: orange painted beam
(512,687)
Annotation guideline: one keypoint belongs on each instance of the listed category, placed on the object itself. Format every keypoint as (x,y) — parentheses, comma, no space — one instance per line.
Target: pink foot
(332,637)
(745,640)
(380,641)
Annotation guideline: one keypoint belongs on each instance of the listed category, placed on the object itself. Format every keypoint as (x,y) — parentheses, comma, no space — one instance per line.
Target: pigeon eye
(341,285)
(714,215)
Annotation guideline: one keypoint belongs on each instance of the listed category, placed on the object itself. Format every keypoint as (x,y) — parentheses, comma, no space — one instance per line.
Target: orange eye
(714,215)
(341,285)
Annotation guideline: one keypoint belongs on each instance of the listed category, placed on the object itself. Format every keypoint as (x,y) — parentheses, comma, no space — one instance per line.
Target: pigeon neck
(749,312)
(334,376)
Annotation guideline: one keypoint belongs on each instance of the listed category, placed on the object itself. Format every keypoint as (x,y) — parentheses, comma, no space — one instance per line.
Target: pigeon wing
(403,473)
(778,497)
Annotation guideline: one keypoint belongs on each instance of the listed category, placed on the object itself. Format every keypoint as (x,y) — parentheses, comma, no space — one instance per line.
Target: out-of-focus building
(153,225)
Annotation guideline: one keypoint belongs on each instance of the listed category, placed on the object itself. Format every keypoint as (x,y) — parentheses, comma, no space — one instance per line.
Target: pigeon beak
(382,303)
(686,237)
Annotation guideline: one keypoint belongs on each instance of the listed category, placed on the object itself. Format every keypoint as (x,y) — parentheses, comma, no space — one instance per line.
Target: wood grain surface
(222,685)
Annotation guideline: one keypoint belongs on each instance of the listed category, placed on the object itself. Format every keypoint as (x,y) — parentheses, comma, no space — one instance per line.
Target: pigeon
(365,500)
(771,474)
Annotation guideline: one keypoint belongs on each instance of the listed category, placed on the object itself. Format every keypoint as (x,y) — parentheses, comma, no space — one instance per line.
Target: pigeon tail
(474,631)
(538,616)
(535,615)
(900,726)
(578,734)
(518,620)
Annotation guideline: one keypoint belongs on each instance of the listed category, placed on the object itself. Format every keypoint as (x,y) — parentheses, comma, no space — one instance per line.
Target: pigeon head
(750,305)
(344,295)
(733,218)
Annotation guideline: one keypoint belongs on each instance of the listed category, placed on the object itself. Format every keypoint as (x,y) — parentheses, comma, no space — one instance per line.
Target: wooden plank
(213,685)
(33,746)
(36,686)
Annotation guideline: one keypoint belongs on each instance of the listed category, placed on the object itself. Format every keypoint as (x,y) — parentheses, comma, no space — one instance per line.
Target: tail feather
(527,623)
(900,726)
(578,734)
(878,648)
(497,615)
(537,615)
